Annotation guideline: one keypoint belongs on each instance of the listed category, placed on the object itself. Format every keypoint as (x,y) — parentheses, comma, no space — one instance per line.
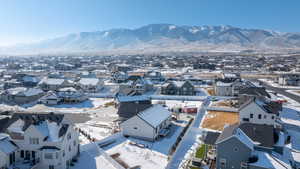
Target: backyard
(216,120)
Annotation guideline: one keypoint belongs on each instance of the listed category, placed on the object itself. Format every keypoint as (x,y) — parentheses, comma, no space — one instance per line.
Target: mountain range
(164,37)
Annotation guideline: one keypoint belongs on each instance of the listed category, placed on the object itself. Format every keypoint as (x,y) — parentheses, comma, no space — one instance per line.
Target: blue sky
(24,21)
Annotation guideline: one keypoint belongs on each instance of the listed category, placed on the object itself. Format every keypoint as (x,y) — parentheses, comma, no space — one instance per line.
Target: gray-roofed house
(7,151)
(21,95)
(129,106)
(259,111)
(178,88)
(238,145)
(148,124)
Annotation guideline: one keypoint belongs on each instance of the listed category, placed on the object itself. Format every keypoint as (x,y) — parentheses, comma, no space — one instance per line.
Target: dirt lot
(217,120)
(210,91)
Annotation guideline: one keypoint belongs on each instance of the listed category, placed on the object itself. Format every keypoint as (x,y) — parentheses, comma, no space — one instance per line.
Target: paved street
(281,91)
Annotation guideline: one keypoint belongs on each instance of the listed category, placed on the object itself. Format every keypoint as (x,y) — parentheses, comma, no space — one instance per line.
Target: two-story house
(43,140)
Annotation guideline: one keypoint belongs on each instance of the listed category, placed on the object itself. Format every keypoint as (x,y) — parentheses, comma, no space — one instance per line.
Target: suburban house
(129,106)
(223,89)
(247,93)
(154,76)
(90,85)
(21,95)
(138,86)
(54,84)
(8,150)
(39,140)
(30,81)
(64,66)
(289,79)
(259,111)
(119,77)
(250,146)
(178,88)
(71,95)
(51,98)
(148,124)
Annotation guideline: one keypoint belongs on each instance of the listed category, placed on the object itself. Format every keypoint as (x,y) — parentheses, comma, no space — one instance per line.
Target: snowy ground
(295,92)
(154,155)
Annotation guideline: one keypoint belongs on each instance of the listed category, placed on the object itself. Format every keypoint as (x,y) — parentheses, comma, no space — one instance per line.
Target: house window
(223,162)
(74,143)
(236,149)
(135,128)
(22,153)
(272,117)
(265,116)
(56,155)
(34,140)
(70,148)
(259,116)
(245,119)
(251,115)
(64,153)
(51,167)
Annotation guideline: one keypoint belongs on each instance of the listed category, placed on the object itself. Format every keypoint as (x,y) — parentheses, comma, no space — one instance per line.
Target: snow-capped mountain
(156,36)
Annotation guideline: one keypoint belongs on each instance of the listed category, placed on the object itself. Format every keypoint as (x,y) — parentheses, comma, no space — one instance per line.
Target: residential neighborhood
(107,112)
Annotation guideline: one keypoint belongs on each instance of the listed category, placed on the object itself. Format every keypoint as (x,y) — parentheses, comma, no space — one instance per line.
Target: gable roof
(154,115)
(263,134)
(6,145)
(266,105)
(89,81)
(259,134)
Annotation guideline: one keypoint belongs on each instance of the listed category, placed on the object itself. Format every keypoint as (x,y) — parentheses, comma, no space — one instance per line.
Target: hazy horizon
(31,20)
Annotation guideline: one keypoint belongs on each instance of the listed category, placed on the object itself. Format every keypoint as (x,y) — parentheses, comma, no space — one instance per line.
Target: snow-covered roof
(219,83)
(89,81)
(30,79)
(155,115)
(33,92)
(6,146)
(22,91)
(17,127)
(52,81)
(49,130)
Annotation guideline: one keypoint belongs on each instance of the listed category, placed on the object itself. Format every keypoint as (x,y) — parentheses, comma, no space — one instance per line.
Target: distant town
(214,110)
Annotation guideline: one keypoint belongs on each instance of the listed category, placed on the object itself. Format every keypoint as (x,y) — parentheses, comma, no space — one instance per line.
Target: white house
(7,151)
(44,140)
(148,124)
(50,98)
(259,111)
(71,95)
(90,85)
(223,89)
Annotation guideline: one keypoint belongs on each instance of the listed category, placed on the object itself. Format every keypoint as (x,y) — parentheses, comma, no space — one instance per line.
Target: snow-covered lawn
(89,105)
(153,155)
